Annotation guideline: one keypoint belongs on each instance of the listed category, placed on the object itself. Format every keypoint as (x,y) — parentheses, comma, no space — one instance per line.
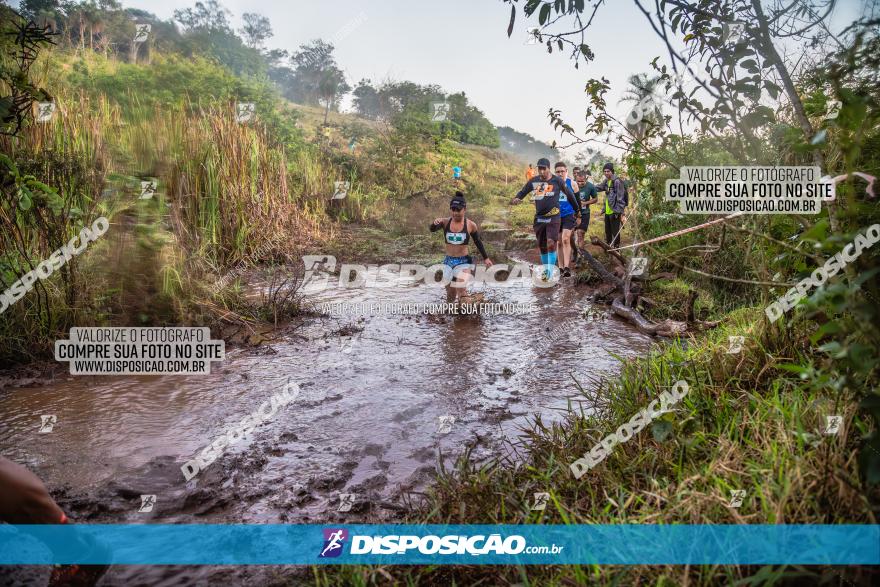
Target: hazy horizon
(462,46)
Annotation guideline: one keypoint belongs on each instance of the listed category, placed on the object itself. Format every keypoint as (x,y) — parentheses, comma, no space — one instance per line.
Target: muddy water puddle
(378,406)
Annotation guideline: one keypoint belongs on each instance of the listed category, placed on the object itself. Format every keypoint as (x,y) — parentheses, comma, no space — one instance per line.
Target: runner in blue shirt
(570,218)
(587,195)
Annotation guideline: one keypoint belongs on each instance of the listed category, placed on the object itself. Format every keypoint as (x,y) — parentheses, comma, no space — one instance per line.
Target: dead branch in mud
(664,275)
(666,328)
(631,292)
(607,248)
(599,268)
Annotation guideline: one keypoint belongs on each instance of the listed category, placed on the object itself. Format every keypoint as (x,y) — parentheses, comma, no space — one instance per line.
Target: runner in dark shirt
(546,188)
(588,195)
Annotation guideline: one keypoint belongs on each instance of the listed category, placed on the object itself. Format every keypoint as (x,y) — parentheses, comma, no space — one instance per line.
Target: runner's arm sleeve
(618,195)
(435,227)
(572,199)
(479,242)
(526,189)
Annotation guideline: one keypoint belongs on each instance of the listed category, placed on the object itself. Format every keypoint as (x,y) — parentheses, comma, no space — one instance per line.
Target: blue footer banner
(277,544)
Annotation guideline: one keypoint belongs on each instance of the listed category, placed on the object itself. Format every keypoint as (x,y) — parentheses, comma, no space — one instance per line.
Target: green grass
(746,423)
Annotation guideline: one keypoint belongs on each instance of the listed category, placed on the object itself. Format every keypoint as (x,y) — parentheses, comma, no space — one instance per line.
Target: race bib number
(455,238)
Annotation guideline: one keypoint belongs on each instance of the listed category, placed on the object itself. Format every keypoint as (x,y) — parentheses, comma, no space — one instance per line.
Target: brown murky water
(367,422)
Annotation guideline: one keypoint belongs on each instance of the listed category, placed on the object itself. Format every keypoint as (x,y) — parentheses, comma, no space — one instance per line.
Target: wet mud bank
(383,398)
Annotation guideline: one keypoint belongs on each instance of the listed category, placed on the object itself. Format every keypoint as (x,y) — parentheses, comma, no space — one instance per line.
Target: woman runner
(457,233)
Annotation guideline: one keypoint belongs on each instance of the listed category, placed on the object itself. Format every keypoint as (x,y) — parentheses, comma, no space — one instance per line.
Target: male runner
(569,218)
(530,172)
(547,188)
(457,232)
(587,196)
(615,203)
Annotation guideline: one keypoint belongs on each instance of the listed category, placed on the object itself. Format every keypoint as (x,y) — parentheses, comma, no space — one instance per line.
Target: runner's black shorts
(546,228)
(585,221)
(569,222)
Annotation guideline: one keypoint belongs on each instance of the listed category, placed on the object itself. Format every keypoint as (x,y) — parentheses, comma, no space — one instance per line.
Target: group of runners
(562,216)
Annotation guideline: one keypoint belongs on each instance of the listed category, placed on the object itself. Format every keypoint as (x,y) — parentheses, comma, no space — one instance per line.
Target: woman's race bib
(455,238)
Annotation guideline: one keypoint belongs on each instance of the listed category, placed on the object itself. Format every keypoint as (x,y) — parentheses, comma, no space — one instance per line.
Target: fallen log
(607,248)
(601,270)
(667,328)
(605,290)
(613,283)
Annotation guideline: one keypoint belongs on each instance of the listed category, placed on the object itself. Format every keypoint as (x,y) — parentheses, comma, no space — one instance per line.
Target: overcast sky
(462,45)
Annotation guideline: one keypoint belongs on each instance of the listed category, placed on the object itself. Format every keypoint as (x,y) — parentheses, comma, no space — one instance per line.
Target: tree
(366,100)
(331,88)
(205,16)
(256,30)
(755,79)
(646,111)
(32,8)
(44,13)
(316,79)
(20,40)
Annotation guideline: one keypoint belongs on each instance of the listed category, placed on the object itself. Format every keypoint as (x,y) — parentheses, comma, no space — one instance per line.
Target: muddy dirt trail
(376,410)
